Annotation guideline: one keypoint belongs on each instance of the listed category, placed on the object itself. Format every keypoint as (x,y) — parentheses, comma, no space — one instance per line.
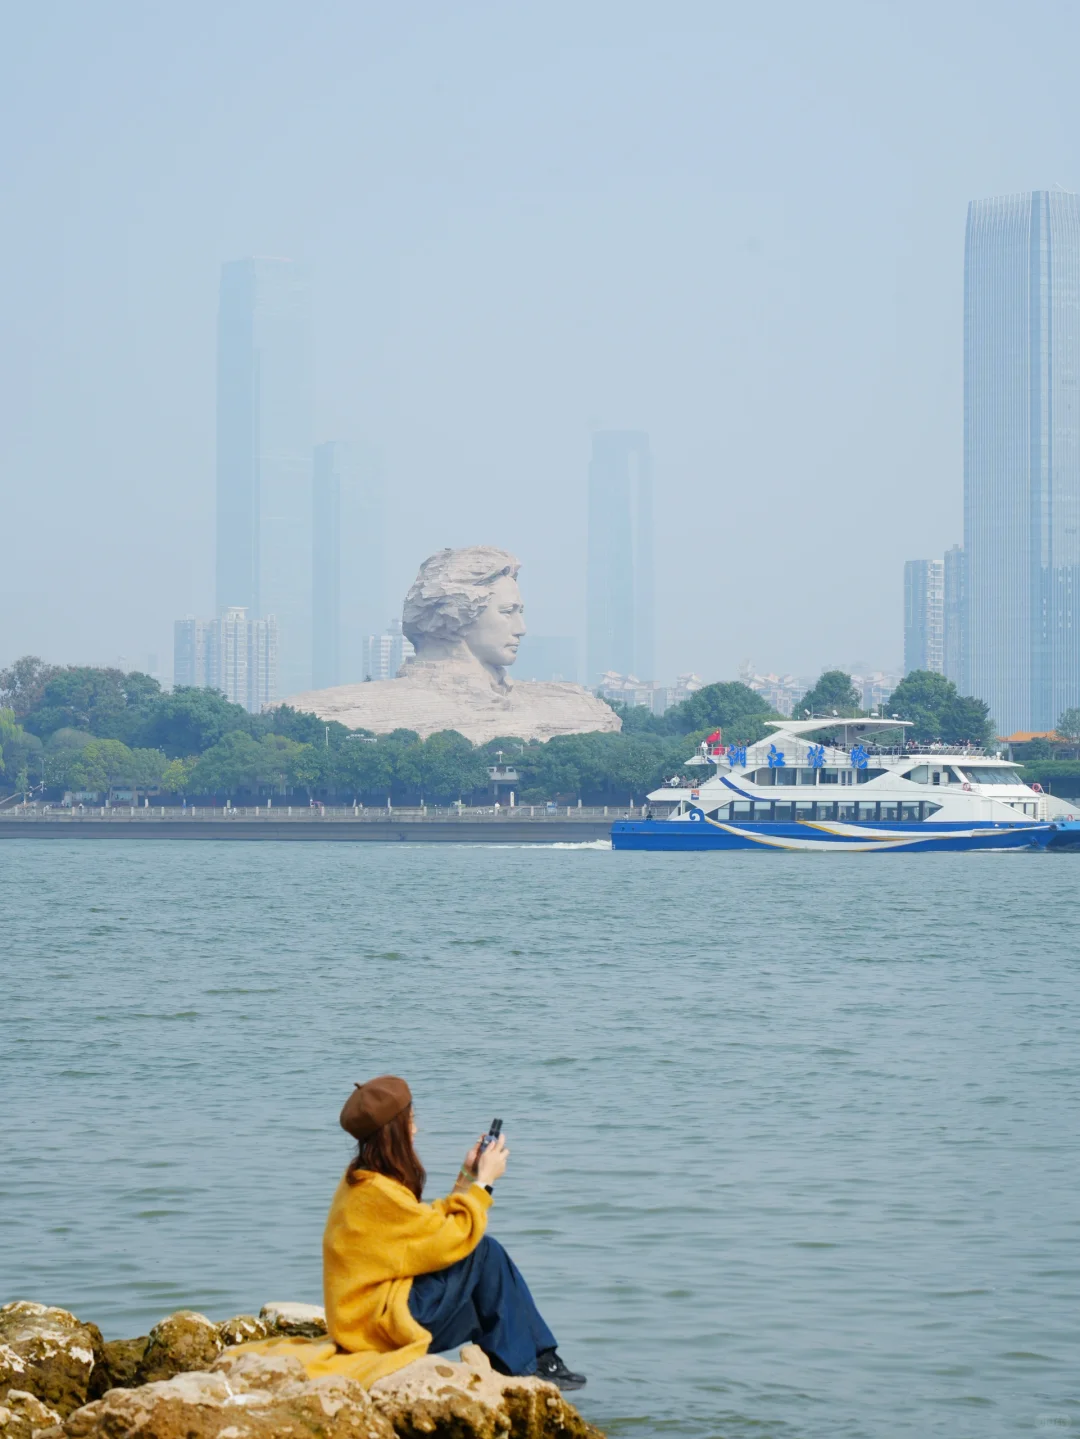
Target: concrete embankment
(343,826)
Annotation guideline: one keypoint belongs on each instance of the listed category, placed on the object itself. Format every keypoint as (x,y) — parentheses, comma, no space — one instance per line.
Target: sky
(738,228)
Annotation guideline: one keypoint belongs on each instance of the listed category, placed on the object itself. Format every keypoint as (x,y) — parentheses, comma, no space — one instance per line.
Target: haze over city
(739,232)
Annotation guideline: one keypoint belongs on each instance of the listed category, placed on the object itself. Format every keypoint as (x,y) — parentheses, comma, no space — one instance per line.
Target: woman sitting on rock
(401,1277)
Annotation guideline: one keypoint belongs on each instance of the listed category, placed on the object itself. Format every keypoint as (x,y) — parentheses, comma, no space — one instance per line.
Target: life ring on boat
(966,785)
(1036,786)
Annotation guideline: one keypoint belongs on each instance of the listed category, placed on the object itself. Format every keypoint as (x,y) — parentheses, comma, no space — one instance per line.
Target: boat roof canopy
(855,726)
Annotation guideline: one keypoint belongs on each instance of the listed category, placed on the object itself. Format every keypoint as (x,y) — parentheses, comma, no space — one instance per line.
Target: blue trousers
(482,1299)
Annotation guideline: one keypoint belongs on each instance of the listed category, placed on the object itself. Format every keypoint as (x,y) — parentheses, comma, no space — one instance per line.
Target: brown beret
(374,1104)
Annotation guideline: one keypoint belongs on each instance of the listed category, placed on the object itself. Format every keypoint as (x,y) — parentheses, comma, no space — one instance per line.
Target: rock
(181,1342)
(122,1360)
(242,1328)
(247,1396)
(23,1415)
(50,1355)
(468,1400)
(306,1320)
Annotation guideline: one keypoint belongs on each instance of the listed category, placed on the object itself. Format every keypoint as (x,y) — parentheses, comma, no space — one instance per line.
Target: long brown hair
(390,1151)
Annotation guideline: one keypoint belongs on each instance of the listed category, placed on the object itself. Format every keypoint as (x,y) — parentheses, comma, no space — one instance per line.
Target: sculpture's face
(496,632)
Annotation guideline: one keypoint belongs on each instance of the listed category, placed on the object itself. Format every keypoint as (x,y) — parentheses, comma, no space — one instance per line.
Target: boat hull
(679,835)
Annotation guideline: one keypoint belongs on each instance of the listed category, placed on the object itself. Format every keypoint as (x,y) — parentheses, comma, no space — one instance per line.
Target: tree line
(86,729)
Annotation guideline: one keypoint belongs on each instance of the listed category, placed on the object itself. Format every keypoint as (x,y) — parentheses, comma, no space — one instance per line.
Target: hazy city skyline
(739,232)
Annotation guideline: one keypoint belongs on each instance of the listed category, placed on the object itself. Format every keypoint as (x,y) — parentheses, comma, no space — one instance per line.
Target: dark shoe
(550,1367)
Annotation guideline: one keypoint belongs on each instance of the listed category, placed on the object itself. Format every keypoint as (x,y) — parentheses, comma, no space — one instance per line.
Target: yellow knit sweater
(378,1237)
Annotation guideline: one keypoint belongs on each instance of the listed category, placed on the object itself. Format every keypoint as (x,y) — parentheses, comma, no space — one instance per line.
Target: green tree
(731,705)
(1068,726)
(403,750)
(176,776)
(833,694)
(734,707)
(300,726)
(190,721)
(282,764)
(23,683)
(103,701)
(20,754)
(362,768)
(311,768)
(234,763)
(450,766)
(938,712)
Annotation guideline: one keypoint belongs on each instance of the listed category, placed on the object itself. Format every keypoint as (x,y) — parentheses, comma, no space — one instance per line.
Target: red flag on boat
(713,738)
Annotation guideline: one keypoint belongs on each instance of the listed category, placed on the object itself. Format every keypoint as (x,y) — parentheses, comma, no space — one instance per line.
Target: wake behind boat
(795,790)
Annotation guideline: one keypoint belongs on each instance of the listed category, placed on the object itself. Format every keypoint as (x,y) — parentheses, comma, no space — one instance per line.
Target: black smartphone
(492,1134)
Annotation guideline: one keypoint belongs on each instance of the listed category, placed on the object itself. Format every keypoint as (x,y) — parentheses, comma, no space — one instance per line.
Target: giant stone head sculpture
(466,597)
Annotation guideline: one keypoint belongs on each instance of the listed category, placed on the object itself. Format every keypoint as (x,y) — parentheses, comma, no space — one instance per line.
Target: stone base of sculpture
(429,697)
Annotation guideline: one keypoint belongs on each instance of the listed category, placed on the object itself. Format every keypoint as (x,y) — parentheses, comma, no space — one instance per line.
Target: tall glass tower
(619,609)
(264,454)
(1022,456)
(349,538)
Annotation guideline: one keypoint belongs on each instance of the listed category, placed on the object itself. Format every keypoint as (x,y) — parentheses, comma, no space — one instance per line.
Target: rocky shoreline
(187,1379)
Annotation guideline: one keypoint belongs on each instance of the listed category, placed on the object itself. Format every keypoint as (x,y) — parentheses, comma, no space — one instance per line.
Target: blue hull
(649,834)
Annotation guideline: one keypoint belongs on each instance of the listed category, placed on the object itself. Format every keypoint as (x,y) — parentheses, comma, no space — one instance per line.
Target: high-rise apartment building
(924,615)
(264,454)
(348,538)
(233,654)
(385,654)
(1022,456)
(953,652)
(619,599)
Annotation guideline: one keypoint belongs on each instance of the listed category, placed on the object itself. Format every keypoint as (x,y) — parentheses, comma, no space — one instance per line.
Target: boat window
(763,776)
(985,775)
(909,812)
(762,811)
(929,809)
(741,809)
(830,776)
(847,776)
(786,776)
(849,811)
(783,813)
(804,809)
(807,775)
(937,776)
(863,776)
(825,811)
(919,775)
(867,811)
(720,814)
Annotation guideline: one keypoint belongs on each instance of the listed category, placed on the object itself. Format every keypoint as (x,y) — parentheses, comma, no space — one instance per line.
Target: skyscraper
(348,549)
(264,454)
(924,615)
(1022,456)
(953,655)
(619,601)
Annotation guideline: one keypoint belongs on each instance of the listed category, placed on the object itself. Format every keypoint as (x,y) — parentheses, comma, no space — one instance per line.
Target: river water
(794,1137)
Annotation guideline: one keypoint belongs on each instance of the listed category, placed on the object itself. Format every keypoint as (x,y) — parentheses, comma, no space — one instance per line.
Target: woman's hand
(472,1156)
(491,1165)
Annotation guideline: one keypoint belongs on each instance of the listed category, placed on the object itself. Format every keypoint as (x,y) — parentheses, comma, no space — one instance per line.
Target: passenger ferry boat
(793,791)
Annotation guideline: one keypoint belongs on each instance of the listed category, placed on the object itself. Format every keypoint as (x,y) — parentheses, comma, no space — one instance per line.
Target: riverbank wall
(335,826)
